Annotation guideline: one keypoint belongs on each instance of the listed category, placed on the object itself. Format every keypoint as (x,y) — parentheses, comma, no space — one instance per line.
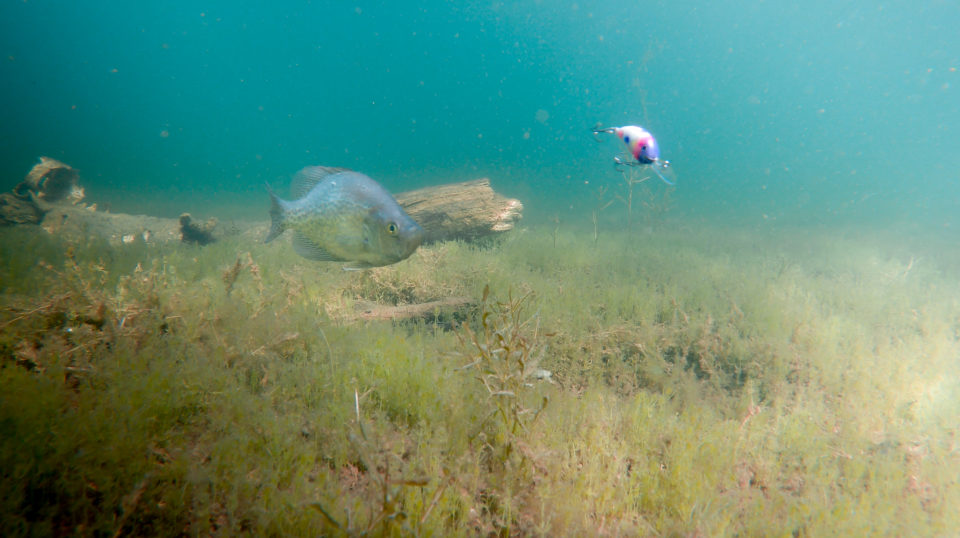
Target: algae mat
(698,383)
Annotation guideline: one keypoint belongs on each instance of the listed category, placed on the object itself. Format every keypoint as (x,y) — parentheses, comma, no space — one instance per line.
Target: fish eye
(392,228)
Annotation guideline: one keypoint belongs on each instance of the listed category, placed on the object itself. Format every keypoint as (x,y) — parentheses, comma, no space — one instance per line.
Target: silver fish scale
(331,220)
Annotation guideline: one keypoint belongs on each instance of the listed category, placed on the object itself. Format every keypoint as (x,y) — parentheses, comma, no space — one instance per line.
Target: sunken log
(19,210)
(371,311)
(51,181)
(468,210)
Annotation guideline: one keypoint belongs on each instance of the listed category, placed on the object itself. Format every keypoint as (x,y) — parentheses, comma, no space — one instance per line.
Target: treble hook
(597,129)
(619,161)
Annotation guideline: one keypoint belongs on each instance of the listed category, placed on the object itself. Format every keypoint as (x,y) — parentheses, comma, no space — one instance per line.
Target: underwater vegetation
(605,381)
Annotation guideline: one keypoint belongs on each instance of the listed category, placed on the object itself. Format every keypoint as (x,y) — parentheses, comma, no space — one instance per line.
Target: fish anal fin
(308,178)
(311,251)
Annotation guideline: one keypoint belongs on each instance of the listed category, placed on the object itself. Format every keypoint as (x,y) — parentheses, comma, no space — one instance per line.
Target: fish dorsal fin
(307,178)
(310,250)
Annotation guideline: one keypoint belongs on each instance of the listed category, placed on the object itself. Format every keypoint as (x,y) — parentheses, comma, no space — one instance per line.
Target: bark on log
(52,181)
(467,210)
(19,210)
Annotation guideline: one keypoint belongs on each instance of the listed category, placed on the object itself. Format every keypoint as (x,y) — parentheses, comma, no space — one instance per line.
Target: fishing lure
(642,147)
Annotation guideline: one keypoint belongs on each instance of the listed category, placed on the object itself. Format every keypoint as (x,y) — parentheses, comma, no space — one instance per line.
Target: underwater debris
(52,181)
(16,210)
(368,310)
(200,234)
(76,223)
(468,210)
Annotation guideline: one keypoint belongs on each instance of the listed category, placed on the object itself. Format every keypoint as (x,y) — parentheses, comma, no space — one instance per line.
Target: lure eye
(392,228)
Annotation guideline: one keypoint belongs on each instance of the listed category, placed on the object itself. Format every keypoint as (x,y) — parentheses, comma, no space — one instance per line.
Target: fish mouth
(418,235)
(414,238)
(411,247)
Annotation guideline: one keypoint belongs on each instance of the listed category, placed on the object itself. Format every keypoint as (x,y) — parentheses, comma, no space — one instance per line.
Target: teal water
(776,355)
(801,112)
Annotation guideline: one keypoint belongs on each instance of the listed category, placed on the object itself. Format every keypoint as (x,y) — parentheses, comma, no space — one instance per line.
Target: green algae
(705,383)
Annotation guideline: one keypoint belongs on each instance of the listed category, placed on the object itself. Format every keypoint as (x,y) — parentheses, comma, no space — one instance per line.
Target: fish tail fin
(277,219)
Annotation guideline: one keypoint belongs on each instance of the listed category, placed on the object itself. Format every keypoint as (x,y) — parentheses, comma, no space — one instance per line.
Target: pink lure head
(642,145)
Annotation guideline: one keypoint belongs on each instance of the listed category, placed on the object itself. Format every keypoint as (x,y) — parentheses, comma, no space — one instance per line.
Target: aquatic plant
(506,353)
(388,474)
(600,206)
(556,229)
(632,177)
(656,206)
(709,382)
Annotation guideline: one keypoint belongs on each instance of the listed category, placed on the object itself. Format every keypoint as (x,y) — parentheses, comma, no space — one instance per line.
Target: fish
(343,216)
(642,146)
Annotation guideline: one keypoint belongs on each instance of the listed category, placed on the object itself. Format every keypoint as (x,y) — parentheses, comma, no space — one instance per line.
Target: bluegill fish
(342,215)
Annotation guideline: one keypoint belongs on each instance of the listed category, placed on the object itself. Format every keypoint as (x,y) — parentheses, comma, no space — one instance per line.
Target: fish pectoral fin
(357,266)
(311,251)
